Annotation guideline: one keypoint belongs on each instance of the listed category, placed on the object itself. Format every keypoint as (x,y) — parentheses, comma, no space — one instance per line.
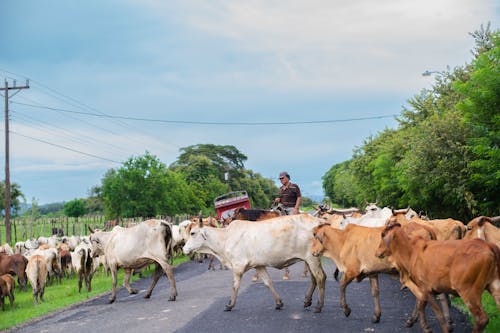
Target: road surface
(203,295)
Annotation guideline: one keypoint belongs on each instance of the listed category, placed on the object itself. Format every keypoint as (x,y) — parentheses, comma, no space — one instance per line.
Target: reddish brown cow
(7,286)
(14,264)
(463,267)
(255,214)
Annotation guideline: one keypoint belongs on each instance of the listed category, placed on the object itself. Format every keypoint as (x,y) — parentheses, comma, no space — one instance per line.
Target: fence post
(15,231)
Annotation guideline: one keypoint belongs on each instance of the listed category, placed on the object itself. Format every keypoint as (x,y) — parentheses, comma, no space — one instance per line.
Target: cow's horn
(200,221)
(91,230)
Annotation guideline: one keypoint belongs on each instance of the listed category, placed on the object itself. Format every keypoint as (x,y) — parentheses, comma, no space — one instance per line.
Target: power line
(212,122)
(66,148)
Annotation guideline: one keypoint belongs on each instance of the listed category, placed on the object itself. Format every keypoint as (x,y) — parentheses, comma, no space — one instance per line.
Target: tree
(74,208)
(15,196)
(143,186)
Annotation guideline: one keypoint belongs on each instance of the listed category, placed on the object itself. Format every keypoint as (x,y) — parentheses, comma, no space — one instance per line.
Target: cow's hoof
(111,300)
(375,319)
(409,322)
(228,308)
(254,278)
(147,296)
(307,303)
(171,298)
(133,291)
(279,305)
(317,309)
(347,311)
(286,277)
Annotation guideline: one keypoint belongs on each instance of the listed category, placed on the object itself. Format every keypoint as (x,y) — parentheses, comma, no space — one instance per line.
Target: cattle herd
(433,258)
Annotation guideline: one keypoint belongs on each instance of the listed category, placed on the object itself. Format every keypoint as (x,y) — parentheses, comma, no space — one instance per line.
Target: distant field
(58,296)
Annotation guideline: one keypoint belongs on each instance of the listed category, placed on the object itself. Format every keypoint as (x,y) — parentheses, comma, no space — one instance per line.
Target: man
(290,195)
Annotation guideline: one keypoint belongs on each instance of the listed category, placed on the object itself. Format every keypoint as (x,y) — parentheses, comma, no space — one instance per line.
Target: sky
(293,85)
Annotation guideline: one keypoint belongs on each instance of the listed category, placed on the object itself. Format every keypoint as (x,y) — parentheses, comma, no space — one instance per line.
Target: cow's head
(318,248)
(196,241)
(384,249)
(96,244)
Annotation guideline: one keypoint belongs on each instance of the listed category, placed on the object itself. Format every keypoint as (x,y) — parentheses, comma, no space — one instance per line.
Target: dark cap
(284,174)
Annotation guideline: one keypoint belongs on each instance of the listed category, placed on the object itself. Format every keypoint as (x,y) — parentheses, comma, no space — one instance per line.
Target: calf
(465,267)
(36,270)
(278,242)
(14,264)
(7,286)
(353,251)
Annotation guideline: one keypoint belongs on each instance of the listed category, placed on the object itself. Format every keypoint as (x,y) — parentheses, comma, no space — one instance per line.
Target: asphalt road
(203,295)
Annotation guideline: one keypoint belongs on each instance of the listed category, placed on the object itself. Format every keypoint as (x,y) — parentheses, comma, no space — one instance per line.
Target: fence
(23,228)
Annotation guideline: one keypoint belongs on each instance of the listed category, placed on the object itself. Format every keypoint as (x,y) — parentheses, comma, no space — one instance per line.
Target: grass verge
(58,296)
(489,306)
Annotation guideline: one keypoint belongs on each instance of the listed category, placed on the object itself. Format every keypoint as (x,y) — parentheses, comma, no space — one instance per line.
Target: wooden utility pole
(7,169)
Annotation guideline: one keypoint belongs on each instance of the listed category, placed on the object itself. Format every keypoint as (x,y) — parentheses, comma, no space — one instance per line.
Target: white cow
(134,248)
(278,242)
(374,217)
(83,265)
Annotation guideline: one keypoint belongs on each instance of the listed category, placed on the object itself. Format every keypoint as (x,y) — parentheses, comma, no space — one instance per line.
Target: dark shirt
(289,195)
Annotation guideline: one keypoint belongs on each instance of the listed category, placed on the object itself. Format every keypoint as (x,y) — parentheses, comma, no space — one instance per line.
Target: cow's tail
(496,252)
(169,242)
(88,262)
(83,260)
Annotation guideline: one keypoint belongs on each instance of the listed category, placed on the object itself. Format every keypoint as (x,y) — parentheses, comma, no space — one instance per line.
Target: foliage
(144,186)
(444,156)
(74,208)
(15,197)
(204,166)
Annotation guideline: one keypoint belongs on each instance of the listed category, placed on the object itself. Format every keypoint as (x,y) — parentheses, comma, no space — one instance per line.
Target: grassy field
(489,306)
(58,296)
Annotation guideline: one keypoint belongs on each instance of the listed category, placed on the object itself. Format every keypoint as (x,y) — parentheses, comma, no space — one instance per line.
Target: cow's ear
(203,233)
(319,237)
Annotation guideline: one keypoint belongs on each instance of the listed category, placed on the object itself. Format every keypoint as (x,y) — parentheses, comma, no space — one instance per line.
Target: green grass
(58,296)
(489,306)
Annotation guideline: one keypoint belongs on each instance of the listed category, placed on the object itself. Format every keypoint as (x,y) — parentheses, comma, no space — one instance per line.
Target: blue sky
(215,61)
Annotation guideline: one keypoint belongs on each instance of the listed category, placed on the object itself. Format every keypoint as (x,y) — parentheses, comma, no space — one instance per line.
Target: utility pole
(7,168)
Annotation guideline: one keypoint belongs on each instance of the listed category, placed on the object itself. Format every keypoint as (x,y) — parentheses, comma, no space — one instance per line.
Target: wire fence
(23,228)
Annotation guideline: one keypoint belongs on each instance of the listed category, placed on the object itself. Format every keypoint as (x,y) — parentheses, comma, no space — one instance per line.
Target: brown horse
(14,264)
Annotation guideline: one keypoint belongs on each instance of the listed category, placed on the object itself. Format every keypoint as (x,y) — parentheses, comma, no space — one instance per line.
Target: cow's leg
(473,301)
(11,298)
(255,277)
(156,276)
(236,286)
(126,281)
(269,283)
(42,291)
(306,269)
(169,271)
(421,304)
(211,262)
(438,312)
(443,300)
(318,278)
(114,278)
(414,316)
(80,281)
(2,301)
(374,288)
(344,282)
(286,276)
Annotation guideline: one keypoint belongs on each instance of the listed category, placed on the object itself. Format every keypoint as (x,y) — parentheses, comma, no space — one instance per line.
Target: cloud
(340,45)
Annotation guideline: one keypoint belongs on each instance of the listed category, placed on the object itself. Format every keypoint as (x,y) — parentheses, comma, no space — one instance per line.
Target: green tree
(481,108)
(74,208)
(15,197)
(144,186)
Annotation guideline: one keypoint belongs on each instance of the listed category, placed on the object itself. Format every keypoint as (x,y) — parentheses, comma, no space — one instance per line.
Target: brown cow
(254,214)
(483,227)
(465,267)
(353,252)
(7,286)
(36,270)
(14,264)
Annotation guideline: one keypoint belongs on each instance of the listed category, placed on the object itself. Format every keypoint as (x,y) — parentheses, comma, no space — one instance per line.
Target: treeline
(444,156)
(144,186)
